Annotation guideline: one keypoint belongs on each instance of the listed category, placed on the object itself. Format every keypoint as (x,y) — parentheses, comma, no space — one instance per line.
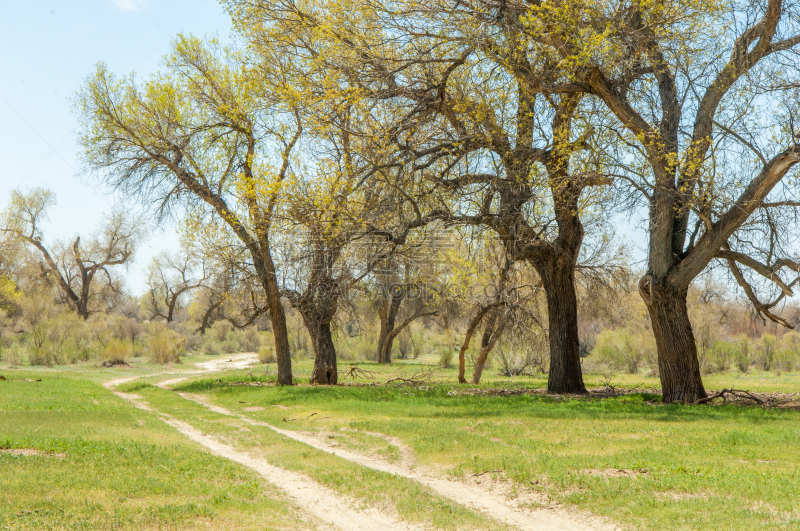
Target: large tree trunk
(558,280)
(325,367)
(283,355)
(277,316)
(385,343)
(678,365)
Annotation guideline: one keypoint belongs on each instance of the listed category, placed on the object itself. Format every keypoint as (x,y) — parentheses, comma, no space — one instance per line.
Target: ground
(210,443)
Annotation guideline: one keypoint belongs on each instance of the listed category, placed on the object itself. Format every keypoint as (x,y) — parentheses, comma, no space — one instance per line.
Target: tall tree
(210,133)
(456,99)
(689,83)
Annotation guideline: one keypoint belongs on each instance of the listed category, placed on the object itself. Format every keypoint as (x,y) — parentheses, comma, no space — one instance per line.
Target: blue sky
(46,50)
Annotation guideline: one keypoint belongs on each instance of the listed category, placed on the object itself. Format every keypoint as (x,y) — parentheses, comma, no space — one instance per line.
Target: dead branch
(735,393)
(357,372)
(419,378)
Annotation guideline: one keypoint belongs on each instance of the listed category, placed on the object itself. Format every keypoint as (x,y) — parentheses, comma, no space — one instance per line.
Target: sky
(47,48)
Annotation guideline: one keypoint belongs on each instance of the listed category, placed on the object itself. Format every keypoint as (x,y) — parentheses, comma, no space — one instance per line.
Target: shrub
(518,360)
(788,357)
(266,354)
(193,342)
(743,353)
(117,352)
(164,347)
(446,357)
(404,344)
(722,356)
(13,355)
(229,347)
(766,347)
(220,330)
(41,356)
(74,351)
(622,349)
(212,348)
(251,340)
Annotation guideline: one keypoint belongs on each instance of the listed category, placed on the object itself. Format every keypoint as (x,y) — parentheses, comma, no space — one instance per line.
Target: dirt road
(339,511)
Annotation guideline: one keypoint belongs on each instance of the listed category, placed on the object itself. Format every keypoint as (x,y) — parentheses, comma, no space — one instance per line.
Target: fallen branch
(418,378)
(736,393)
(357,372)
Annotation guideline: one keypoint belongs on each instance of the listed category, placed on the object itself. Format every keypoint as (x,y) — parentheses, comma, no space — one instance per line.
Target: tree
(458,104)
(684,102)
(73,268)
(402,283)
(170,278)
(348,224)
(212,134)
(493,330)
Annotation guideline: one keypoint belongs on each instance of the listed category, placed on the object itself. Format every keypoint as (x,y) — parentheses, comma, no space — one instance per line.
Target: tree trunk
(558,280)
(677,351)
(462,353)
(325,372)
(83,309)
(277,316)
(387,313)
(385,346)
(490,337)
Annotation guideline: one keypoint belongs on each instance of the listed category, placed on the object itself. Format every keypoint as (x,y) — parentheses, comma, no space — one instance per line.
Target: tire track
(471,496)
(312,498)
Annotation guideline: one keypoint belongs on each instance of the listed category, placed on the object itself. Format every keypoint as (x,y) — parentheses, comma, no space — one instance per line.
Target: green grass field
(642,464)
(106,465)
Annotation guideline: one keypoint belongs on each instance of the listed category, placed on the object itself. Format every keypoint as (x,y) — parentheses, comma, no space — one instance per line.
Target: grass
(720,467)
(691,467)
(408,499)
(106,465)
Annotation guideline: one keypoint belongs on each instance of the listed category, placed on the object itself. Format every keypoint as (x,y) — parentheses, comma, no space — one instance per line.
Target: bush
(193,342)
(522,359)
(251,340)
(766,347)
(41,356)
(12,355)
(229,347)
(446,358)
(622,349)
(117,352)
(722,356)
(220,330)
(266,354)
(76,351)
(212,348)
(788,357)
(404,344)
(743,353)
(164,347)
